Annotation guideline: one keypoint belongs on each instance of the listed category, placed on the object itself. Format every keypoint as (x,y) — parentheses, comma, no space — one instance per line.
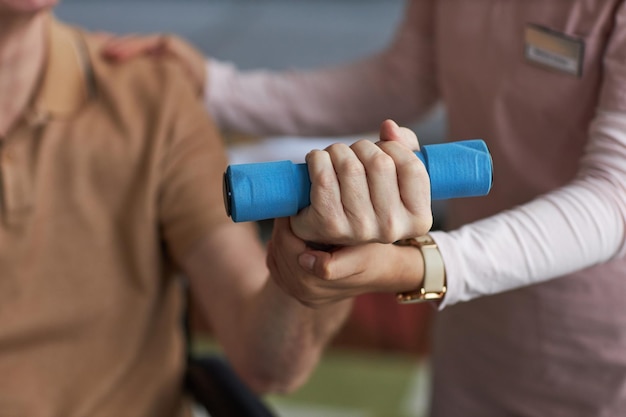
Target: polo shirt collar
(66,80)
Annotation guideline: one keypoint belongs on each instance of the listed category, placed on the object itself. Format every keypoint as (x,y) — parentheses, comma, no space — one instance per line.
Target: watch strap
(433,286)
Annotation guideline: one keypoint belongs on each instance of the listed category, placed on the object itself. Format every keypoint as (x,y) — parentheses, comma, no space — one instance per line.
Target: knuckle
(389,230)
(356,228)
(389,236)
(325,179)
(351,168)
(328,219)
(363,145)
(338,234)
(392,147)
(413,167)
(325,272)
(337,148)
(381,163)
(365,231)
(421,225)
(387,146)
(425,226)
(315,156)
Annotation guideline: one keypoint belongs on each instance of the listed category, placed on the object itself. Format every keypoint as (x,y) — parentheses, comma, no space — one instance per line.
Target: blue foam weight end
(458,169)
(279,189)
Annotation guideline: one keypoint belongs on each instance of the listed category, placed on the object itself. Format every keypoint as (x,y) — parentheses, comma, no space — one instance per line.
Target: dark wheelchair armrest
(213,384)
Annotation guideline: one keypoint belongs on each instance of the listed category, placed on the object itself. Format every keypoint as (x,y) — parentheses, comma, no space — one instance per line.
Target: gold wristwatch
(434,283)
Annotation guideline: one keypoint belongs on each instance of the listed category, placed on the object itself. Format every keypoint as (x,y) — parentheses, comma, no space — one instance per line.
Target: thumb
(318,263)
(304,225)
(307,261)
(391,132)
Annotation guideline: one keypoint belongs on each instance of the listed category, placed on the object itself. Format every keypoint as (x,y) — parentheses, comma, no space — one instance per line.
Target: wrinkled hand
(367,192)
(318,278)
(119,49)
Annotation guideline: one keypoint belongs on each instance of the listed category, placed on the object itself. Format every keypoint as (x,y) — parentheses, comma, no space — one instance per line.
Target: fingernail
(307,261)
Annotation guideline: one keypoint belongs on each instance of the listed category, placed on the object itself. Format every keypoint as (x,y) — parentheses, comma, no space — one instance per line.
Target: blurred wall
(270,33)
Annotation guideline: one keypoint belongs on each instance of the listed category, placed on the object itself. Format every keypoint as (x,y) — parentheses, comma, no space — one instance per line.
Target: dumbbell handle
(268,190)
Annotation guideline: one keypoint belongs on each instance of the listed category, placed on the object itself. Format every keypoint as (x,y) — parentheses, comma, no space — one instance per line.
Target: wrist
(410,274)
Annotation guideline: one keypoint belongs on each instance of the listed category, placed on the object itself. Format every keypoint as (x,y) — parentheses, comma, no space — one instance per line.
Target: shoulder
(143,81)
(147,97)
(146,101)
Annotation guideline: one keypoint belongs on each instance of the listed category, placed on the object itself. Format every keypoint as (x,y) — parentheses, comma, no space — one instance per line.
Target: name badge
(554,50)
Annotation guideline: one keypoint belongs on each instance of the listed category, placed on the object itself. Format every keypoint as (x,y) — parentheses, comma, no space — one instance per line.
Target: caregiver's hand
(367,192)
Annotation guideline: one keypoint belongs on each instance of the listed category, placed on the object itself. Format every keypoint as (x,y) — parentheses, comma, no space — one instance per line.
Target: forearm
(271,339)
(278,323)
(290,339)
(373,268)
(574,227)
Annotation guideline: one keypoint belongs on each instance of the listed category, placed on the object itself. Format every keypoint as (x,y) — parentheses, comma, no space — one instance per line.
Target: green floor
(353,383)
(359,384)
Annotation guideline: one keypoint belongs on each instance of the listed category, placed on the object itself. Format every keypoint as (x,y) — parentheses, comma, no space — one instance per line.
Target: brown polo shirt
(111,175)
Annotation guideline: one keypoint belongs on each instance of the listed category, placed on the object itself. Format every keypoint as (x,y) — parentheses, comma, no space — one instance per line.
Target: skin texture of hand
(193,62)
(318,278)
(367,192)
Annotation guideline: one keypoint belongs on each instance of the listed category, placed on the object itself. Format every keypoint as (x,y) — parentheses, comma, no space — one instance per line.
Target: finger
(277,269)
(131,46)
(314,262)
(325,199)
(114,42)
(354,188)
(332,266)
(283,236)
(270,260)
(363,268)
(296,281)
(414,187)
(281,259)
(287,247)
(141,46)
(390,131)
(384,193)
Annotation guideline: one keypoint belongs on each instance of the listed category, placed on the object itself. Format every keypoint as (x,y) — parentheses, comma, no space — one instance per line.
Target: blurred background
(378,364)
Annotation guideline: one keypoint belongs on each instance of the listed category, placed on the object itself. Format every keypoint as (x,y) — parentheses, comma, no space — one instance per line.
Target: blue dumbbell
(267,190)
